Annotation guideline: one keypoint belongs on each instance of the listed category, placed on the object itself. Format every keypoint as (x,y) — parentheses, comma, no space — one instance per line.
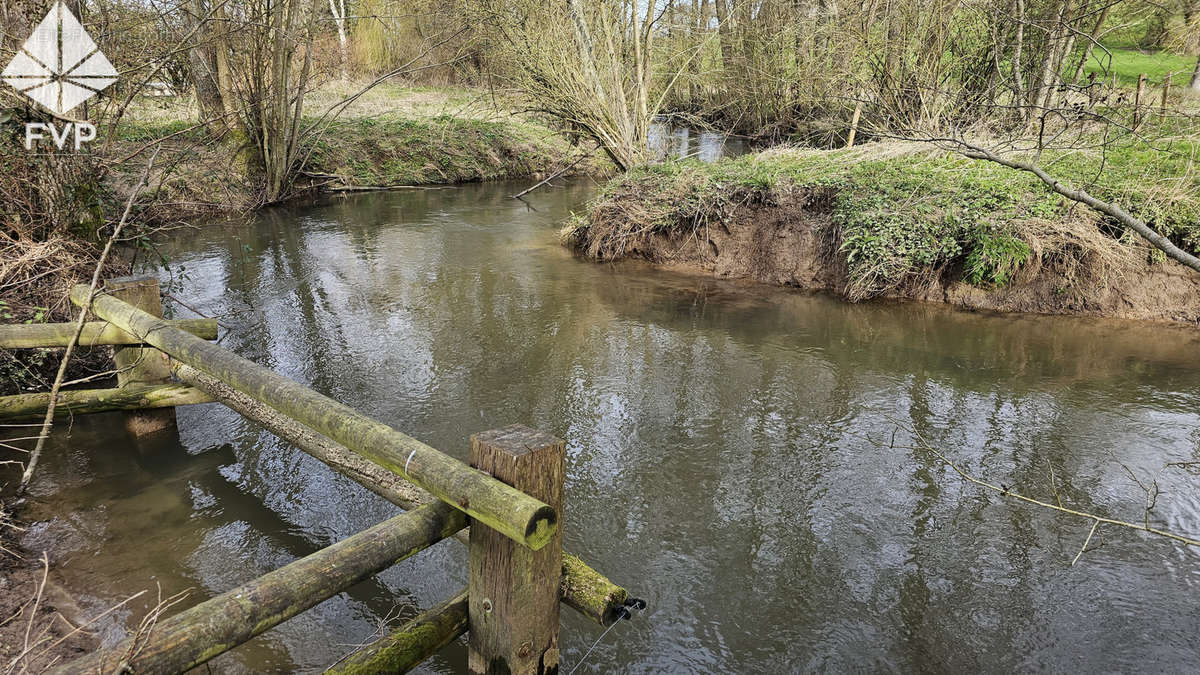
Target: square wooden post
(138,365)
(513,590)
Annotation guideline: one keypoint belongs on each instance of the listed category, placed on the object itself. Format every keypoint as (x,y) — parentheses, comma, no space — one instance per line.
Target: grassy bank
(891,217)
(391,136)
(1127,63)
(396,150)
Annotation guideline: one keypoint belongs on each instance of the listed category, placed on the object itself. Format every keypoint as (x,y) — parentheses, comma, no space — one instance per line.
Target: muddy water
(734,455)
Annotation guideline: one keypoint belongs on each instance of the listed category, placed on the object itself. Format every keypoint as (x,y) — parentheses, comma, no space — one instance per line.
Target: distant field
(1127,63)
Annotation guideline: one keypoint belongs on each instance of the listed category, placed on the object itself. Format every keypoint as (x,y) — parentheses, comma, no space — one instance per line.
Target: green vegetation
(1127,63)
(394,150)
(392,135)
(901,211)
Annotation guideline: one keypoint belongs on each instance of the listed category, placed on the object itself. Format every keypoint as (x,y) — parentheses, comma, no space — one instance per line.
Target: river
(738,455)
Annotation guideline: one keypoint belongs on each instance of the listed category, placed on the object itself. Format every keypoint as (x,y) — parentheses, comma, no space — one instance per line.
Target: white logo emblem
(59,74)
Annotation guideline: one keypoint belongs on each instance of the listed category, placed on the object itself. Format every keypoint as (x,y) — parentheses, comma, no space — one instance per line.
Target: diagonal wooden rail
(215,626)
(582,588)
(487,500)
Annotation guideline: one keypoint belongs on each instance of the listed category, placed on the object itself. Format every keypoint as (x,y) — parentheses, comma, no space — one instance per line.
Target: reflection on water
(732,452)
(681,142)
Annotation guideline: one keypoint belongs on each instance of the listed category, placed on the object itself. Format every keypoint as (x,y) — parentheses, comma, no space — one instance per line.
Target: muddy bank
(892,221)
(35,631)
(789,237)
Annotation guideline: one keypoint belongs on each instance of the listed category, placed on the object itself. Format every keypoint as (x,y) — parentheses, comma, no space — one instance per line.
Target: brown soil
(52,638)
(792,242)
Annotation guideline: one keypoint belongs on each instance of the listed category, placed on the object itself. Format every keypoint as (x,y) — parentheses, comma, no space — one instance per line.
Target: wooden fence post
(513,590)
(1166,93)
(137,365)
(854,123)
(1137,100)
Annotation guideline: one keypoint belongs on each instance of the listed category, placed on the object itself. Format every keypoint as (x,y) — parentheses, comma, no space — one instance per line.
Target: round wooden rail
(25,407)
(215,626)
(500,507)
(33,335)
(406,647)
(582,588)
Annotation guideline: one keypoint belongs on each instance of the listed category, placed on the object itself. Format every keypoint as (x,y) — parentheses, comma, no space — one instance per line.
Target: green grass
(394,150)
(903,211)
(1127,63)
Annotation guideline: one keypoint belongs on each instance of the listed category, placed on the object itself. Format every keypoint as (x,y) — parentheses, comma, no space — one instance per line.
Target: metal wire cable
(624,613)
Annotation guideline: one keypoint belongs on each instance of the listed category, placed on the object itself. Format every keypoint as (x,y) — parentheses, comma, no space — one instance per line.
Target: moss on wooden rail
(24,407)
(215,626)
(502,508)
(589,592)
(582,588)
(355,467)
(29,336)
(406,647)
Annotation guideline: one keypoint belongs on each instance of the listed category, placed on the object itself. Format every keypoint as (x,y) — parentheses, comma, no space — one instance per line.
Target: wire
(589,651)
(622,613)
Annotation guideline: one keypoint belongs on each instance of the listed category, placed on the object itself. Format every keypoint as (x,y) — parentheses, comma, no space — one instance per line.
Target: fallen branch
(1006,492)
(1078,195)
(556,174)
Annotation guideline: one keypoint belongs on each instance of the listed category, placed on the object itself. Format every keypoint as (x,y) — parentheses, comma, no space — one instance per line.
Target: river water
(741,456)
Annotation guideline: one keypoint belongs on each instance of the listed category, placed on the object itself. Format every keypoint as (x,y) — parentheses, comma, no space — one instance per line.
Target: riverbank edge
(51,628)
(203,177)
(776,227)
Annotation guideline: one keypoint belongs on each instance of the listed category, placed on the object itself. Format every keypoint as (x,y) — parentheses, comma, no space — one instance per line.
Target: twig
(1082,549)
(556,174)
(36,602)
(79,321)
(1062,509)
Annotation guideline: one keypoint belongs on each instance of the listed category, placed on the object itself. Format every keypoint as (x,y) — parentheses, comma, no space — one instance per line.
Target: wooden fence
(510,497)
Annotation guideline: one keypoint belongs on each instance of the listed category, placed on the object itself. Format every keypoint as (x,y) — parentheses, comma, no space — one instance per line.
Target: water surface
(740,456)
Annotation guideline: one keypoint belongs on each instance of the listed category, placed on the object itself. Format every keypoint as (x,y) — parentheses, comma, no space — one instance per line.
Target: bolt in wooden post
(513,590)
(137,365)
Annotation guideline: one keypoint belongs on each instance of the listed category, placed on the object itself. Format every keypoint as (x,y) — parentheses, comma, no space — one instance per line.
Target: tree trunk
(224,80)
(203,66)
(724,35)
(1194,85)
(338,9)
(1046,78)
(1087,49)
